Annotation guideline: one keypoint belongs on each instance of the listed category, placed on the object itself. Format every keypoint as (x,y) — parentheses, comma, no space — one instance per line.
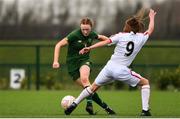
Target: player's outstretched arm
(99,44)
(152,15)
(102,37)
(58,46)
(104,40)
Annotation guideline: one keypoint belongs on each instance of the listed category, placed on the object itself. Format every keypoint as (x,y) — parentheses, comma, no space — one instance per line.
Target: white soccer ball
(67,101)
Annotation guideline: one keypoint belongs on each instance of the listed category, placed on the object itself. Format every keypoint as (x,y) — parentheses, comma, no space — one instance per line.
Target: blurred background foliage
(54,19)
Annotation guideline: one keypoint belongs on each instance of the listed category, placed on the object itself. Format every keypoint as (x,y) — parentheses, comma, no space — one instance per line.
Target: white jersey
(127,47)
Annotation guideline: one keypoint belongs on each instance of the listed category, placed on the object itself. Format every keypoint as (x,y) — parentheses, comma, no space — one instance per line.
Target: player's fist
(84,50)
(152,13)
(55,65)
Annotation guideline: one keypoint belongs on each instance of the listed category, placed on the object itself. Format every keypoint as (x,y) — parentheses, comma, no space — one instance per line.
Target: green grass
(47,104)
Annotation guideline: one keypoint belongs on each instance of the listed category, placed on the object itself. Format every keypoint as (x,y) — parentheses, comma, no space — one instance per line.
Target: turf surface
(47,104)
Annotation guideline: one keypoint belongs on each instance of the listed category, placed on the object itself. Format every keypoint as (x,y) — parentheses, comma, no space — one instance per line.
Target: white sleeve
(115,38)
(145,38)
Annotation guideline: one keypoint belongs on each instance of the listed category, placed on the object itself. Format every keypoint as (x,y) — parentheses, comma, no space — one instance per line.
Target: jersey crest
(79,41)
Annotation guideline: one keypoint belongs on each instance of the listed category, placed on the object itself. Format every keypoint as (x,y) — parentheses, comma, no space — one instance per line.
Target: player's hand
(56,65)
(84,50)
(152,13)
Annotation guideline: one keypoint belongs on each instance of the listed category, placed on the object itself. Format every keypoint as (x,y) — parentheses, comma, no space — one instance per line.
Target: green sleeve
(71,36)
(94,34)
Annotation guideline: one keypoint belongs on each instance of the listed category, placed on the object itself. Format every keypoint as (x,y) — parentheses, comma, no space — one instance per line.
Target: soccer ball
(67,101)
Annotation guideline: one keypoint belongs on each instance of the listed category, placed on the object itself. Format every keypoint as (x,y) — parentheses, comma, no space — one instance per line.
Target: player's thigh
(129,77)
(84,71)
(84,74)
(103,77)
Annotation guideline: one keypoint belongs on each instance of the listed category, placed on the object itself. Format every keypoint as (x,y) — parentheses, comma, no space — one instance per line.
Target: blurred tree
(11,15)
(175,18)
(54,19)
(167,25)
(1,9)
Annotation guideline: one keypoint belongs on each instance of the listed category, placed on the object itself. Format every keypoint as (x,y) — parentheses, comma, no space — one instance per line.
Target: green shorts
(76,74)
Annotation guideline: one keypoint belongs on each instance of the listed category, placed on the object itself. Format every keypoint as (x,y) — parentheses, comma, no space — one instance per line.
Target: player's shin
(85,93)
(89,100)
(98,100)
(145,94)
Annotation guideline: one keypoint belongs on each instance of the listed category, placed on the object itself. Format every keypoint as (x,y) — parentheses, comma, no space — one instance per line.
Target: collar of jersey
(132,33)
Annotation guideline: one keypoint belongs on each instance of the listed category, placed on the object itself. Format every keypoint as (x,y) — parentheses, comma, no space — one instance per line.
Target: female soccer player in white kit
(128,44)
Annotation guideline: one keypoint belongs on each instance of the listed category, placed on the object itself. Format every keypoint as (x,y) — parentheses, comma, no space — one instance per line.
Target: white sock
(145,94)
(85,93)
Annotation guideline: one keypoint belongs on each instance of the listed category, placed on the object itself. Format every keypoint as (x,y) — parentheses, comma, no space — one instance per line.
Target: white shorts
(112,72)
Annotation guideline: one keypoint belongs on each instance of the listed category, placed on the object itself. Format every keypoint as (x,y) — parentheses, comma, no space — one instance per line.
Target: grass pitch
(47,104)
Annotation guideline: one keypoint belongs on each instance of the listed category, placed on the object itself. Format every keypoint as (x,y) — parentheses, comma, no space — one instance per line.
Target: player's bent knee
(85,82)
(144,81)
(94,87)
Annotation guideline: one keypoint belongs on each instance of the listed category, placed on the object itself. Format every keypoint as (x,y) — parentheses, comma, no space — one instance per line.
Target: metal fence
(33,70)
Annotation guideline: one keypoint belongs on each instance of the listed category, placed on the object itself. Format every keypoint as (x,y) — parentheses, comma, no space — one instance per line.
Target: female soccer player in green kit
(79,66)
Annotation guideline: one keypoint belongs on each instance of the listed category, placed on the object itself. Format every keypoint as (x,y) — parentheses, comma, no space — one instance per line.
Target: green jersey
(77,41)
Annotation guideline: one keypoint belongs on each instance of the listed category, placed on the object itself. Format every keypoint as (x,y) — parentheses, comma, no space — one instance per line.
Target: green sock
(89,100)
(96,99)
